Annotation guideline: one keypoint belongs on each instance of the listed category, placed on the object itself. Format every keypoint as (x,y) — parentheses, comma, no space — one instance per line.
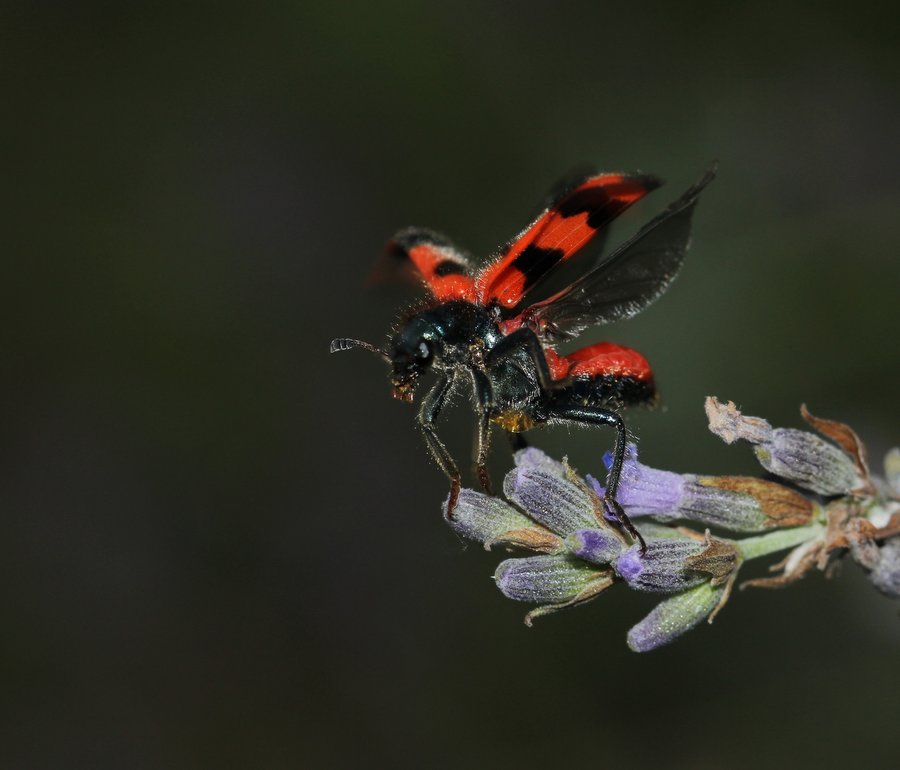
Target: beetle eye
(424,350)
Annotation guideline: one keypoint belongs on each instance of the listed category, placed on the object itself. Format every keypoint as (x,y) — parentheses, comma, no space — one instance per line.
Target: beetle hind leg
(594,415)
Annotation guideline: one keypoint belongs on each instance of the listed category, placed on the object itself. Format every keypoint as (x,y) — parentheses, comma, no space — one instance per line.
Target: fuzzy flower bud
(545,579)
(736,503)
(553,500)
(489,520)
(664,568)
(674,616)
(807,460)
(744,504)
(799,456)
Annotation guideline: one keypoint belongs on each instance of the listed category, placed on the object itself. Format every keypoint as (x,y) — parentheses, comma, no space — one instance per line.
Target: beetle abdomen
(607,391)
(604,374)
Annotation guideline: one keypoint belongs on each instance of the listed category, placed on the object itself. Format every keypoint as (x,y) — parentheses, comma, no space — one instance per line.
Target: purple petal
(643,490)
(808,460)
(629,566)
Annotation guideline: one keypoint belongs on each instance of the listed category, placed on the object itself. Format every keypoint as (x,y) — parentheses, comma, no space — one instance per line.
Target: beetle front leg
(428,413)
(484,445)
(484,393)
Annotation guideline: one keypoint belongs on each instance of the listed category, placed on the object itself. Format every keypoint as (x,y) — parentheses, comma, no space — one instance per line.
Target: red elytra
(602,359)
(558,234)
(429,260)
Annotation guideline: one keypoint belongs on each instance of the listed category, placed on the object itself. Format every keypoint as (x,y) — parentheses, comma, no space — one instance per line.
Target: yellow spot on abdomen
(515,422)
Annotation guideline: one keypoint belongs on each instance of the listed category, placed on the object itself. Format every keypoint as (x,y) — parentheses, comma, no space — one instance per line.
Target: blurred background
(222,547)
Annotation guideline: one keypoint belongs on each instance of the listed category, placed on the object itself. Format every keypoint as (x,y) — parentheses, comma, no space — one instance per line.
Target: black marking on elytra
(449,267)
(595,202)
(565,186)
(535,261)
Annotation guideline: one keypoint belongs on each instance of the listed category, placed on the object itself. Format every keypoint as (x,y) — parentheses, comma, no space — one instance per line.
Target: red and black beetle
(477,327)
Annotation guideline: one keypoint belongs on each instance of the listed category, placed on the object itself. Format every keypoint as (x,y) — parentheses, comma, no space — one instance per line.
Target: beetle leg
(485,395)
(428,412)
(599,416)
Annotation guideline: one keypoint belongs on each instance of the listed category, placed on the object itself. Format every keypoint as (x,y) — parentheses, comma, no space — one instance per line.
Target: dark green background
(221,547)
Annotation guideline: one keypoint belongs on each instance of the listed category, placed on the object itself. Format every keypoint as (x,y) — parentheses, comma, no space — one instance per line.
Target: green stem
(763,545)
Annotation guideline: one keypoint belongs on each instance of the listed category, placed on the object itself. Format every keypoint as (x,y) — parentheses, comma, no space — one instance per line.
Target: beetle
(476,326)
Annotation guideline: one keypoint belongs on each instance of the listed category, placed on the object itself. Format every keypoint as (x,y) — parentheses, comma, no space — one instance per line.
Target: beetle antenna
(345,343)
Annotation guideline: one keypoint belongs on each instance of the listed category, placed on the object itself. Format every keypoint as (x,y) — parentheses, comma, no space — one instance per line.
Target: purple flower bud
(674,616)
(886,574)
(553,500)
(744,504)
(545,579)
(709,504)
(801,457)
(600,546)
(737,503)
(809,461)
(490,520)
(664,568)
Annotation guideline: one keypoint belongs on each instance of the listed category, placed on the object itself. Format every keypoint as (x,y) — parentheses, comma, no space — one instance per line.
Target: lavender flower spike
(555,513)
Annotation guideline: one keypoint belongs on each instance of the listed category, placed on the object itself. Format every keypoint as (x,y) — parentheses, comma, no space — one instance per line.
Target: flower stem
(763,545)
